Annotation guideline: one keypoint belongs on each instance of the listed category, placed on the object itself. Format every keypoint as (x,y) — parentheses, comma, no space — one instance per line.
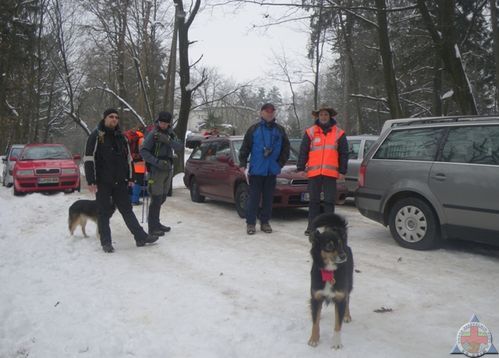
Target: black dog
(331,274)
(82,210)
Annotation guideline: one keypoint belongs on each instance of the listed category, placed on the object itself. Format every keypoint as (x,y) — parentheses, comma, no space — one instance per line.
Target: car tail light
(362,175)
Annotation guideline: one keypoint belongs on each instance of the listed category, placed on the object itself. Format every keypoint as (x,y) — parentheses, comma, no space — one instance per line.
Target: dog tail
(72,220)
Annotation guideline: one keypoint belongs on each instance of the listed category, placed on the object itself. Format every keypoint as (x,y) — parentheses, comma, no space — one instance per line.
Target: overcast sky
(227,40)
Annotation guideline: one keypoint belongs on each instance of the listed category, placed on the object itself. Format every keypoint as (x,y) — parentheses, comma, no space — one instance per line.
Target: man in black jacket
(108,169)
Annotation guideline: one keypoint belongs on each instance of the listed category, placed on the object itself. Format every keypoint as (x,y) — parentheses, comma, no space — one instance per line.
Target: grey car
(9,160)
(434,178)
(358,146)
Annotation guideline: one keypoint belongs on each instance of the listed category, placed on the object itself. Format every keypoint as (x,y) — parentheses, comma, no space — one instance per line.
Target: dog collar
(327,276)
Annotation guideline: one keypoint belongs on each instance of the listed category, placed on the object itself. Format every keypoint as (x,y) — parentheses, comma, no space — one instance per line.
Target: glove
(163,164)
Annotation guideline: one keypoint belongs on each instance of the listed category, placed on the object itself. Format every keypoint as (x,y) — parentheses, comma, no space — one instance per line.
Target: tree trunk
(169,100)
(445,41)
(186,88)
(387,58)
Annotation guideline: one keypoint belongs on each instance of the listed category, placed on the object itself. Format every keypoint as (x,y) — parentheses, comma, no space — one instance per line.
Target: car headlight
(25,172)
(66,171)
(283,181)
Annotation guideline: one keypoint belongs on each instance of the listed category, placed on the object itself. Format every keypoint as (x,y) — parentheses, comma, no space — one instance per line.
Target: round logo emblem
(474,339)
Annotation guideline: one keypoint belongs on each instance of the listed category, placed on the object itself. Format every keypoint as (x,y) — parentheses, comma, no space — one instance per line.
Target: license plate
(306,196)
(48,180)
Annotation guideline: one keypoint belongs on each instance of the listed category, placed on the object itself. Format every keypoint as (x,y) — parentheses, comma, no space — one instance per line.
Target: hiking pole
(143,192)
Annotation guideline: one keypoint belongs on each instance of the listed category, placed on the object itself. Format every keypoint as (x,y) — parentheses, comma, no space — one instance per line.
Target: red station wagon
(46,167)
(213,171)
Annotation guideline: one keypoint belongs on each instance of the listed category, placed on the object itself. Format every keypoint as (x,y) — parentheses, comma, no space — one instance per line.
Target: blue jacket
(263,135)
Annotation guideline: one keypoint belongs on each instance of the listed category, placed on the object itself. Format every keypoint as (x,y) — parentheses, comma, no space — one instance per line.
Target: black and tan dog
(81,211)
(331,274)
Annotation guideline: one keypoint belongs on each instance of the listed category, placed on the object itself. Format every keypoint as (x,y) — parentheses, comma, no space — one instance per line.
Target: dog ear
(314,236)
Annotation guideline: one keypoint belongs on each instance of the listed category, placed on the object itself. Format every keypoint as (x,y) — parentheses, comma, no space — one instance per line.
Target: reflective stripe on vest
(139,167)
(323,158)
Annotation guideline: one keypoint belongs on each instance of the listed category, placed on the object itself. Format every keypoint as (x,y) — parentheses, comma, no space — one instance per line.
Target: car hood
(55,163)
(289,172)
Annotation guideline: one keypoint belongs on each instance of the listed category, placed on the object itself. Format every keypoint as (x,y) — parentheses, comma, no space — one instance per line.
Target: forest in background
(62,62)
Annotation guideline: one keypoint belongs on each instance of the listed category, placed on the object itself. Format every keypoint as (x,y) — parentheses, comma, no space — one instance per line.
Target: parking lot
(209,290)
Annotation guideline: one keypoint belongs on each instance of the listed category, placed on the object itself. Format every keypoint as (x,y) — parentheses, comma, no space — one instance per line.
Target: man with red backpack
(135,138)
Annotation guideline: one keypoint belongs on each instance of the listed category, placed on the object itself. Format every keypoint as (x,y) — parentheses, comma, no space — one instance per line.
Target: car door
(222,186)
(353,164)
(206,169)
(466,180)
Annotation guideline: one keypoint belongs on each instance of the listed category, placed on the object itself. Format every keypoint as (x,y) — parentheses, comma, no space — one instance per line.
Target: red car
(46,167)
(213,171)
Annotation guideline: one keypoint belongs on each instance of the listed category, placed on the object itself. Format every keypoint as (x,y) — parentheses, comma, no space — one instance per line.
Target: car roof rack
(393,123)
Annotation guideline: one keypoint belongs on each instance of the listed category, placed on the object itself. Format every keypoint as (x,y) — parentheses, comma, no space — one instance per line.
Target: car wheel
(194,189)
(241,199)
(414,225)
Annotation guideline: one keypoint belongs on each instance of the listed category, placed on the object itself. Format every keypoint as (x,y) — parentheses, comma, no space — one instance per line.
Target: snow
(447,94)
(207,289)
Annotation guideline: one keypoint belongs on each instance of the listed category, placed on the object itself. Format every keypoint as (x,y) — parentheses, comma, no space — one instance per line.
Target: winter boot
(149,239)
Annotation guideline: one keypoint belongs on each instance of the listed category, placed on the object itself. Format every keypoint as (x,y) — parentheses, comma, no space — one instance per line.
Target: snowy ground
(208,290)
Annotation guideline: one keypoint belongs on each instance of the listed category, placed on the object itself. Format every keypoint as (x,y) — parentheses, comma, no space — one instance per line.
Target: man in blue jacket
(267,146)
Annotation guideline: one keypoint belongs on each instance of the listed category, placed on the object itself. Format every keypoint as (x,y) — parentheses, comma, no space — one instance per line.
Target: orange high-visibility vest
(323,158)
(140,167)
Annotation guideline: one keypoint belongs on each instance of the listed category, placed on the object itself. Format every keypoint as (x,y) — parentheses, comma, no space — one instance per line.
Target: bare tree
(186,87)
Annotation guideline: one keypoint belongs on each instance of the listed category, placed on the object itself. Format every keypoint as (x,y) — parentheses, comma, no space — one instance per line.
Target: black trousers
(260,187)
(154,209)
(116,193)
(316,185)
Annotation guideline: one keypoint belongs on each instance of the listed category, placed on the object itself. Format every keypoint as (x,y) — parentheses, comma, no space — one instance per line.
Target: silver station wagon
(434,178)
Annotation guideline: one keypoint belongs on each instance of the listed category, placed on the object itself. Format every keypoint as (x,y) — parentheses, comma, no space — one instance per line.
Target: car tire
(414,225)
(194,189)
(241,199)
(18,193)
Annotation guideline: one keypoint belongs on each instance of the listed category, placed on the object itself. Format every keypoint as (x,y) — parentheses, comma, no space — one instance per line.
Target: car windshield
(51,152)
(293,152)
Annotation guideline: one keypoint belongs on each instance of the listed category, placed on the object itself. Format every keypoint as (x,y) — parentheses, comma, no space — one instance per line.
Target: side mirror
(4,159)
(76,156)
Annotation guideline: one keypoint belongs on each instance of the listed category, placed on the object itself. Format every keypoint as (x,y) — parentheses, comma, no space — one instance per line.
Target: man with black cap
(108,170)
(157,151)
(268,145)
(324,155)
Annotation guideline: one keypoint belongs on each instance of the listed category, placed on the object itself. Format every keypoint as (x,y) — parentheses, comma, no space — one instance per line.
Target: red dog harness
(328,276)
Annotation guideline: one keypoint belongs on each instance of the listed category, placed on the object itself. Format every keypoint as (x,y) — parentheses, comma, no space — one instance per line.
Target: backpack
(133,142)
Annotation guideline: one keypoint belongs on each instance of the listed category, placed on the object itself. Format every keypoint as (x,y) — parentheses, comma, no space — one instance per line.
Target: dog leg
(72,227)
(83,223)
(316,307)
(339,309)
(348,317)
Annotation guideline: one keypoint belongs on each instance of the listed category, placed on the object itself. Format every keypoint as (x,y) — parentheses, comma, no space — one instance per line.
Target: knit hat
(331,110)
(267,106)
(108,111)
(165,117)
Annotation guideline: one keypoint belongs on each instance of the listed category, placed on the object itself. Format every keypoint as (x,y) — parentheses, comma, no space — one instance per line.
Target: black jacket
(342,148)
(107,156)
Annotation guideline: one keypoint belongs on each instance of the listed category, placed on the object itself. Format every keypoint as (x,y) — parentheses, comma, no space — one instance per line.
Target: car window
(294,150)
(472,144)
(210,152)
(367,145)
(410,144)
(196,153)
(236,144)
(52,152)
(223,149)
(353,149)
